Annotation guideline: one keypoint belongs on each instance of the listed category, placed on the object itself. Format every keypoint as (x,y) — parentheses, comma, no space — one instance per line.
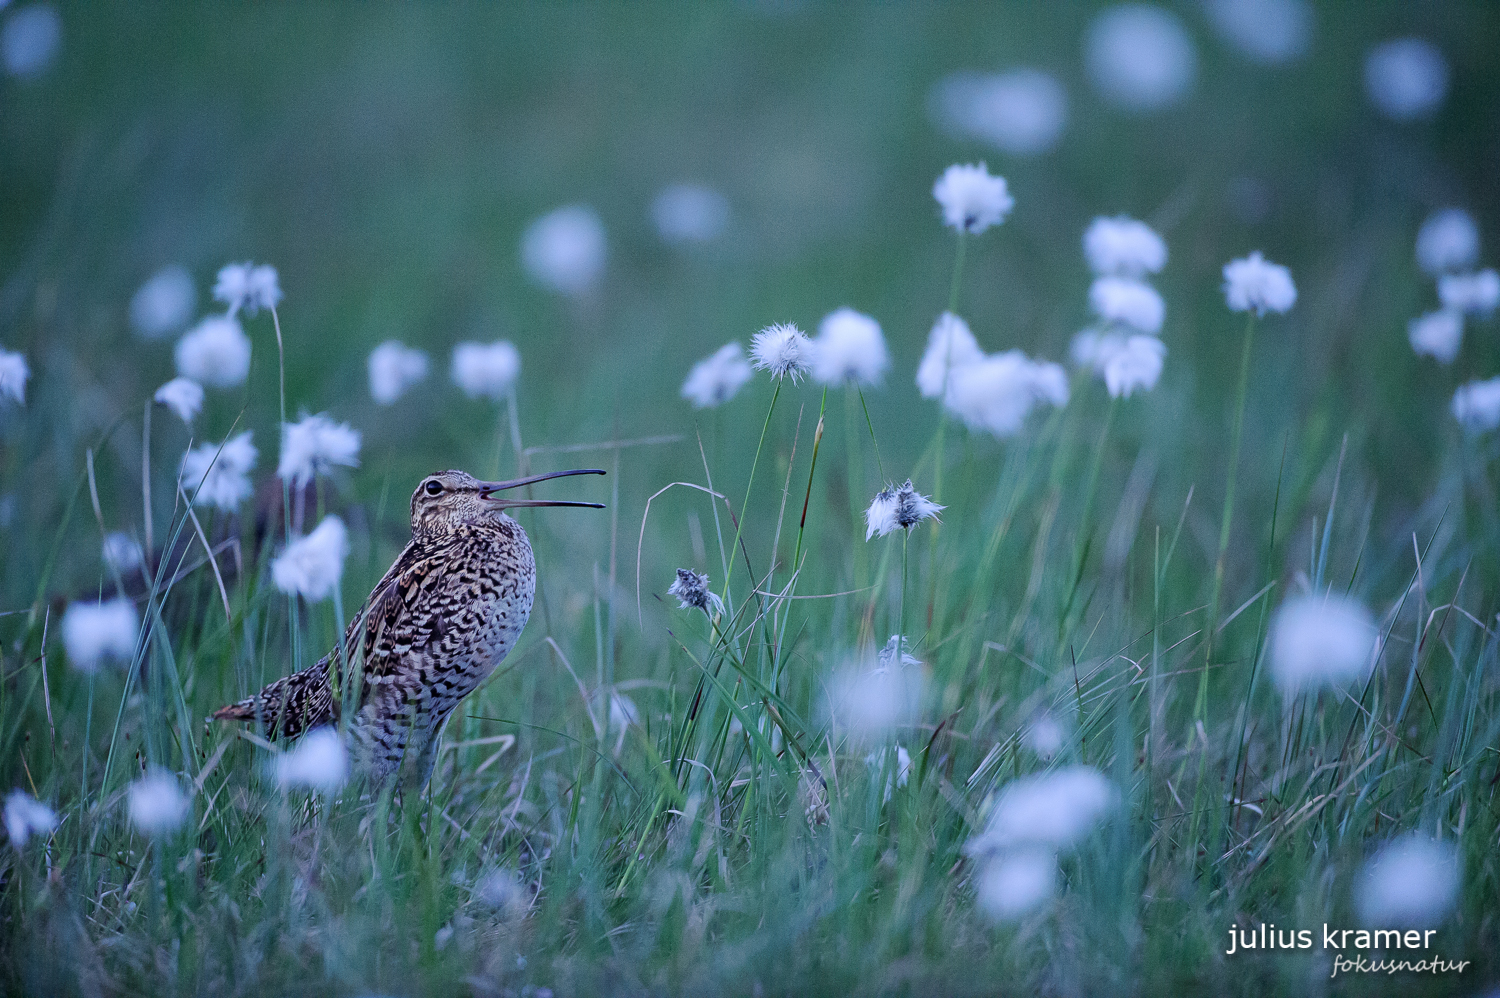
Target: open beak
(487,491)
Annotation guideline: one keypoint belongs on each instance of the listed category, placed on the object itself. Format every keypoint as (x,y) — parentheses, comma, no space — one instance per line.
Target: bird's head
(449,499)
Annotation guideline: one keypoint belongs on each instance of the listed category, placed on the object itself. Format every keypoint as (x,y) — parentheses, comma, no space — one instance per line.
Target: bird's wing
(401,615)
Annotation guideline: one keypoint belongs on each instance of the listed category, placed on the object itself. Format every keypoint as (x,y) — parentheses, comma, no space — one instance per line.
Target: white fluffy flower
(1140,57)
(1022,112)
(693,593)
(997,393)
(1254,284)
(1128,302)
(319,762)
(183,396)
(1267,31)
(971,199)
(881,759)
(1136,364)
(218,477)
(1092,347)
(716,379)
(30,40)
(1044,736)
(1477,405)
(13,376)
(1123,246)
(164,304)
(1321,641)
(783,350)
(1472,294)
(215,352)
(312,566)
(1406,79)
(869,701)
(849,349)
(313,445)
(26,816)
(689,213)
(1447,241)
(1412,882)
(156,802)
(121,552)
(501,890)
(950,346)
(1056,809)
(486,370)
(1437,335)
(248,288)
(898,508)
(1016,882)
(94,633)
(565,250)
(394,367)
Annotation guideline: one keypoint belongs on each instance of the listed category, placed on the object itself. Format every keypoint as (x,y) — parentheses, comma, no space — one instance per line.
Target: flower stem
(286,490)
(958,273)
(740,525)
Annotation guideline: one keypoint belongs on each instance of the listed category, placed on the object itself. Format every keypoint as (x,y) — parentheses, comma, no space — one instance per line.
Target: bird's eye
(434,488)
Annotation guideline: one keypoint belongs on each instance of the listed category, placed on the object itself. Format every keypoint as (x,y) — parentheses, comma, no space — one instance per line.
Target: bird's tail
(290,705)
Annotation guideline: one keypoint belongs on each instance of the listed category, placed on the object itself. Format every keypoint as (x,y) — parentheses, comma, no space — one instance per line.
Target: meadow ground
(1217,654)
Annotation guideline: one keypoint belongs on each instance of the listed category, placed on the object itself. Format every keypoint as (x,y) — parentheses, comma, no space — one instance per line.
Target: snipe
(433,629)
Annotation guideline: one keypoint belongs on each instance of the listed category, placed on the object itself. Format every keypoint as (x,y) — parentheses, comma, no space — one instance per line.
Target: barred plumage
(433,629)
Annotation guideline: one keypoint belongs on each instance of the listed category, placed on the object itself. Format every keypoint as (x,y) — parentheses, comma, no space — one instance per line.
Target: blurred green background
(387,158)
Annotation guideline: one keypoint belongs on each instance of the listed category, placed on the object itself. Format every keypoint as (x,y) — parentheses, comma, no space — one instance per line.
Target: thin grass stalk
(740,520)
(953,288)
(293,622)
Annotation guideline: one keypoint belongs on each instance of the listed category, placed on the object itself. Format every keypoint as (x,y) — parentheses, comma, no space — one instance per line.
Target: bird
(433,629)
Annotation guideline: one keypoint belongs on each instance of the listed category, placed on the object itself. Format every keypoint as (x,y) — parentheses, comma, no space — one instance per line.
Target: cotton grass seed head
(13,376)
(997,393)
(1476,406)
(1056,809)
(486,370)
(1448,241)
(501,890)
(898,508)
(215,352)
(183,396)
(26,816)
(163,304)
(783,350)
(313,445)
(972,200)
(317,762)
(1123,247)
(394,367)
(312,566)
(1406,79)
(871,702)
(1412,882)
(1471,294)
(897,653)
(849,350)
(1022,112)
(1437,335)
(156,803)
(247,287)
(1135,365)
(1128,302)
(565,250)
(1254,284)
(219,477)
(121,552)
(1015,883)
(95,633)
(718,378)
(1265,31)
(30,39)
(950,346)
(693,593)
(689,214)
(1321,641)
(1140,58)
(1044,737)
